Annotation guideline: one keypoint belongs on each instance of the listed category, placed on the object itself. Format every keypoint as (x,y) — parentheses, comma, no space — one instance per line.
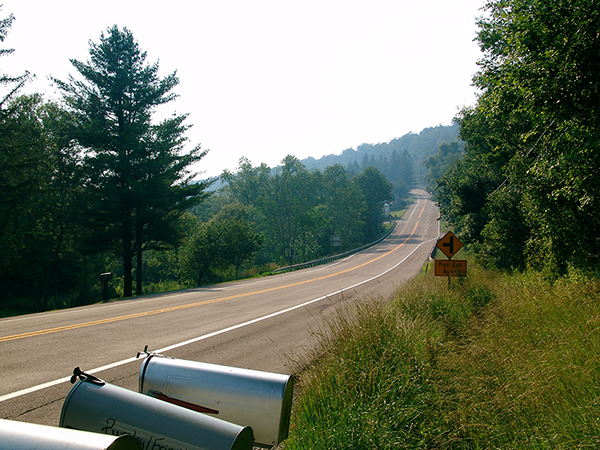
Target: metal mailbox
(27,436)
(93,405)
(261,400)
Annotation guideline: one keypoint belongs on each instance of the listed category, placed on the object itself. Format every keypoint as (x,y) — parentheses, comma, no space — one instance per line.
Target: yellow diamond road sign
(449,244)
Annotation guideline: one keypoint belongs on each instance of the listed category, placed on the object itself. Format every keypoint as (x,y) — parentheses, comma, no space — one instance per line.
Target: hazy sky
(266,78)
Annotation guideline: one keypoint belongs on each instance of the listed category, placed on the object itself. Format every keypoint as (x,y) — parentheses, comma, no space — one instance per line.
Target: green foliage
(286,207)
(11,84)
(138,183)
(345,206)
(40,214)
(400,160)
(298,211)
(491,361)
(242,242)
(96,184)
(524,193)
(248,184)
(376,190)
(227,240)
(439,164)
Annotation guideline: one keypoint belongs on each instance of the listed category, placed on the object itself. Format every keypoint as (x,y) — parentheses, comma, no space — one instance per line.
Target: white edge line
(209,335)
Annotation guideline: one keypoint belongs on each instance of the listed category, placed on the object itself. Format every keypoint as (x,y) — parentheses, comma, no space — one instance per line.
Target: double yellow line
(193,305)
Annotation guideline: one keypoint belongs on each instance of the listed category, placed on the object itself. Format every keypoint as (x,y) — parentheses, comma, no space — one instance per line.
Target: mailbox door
(27,436)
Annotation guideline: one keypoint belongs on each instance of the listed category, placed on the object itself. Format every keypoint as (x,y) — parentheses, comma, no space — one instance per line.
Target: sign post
(449,245)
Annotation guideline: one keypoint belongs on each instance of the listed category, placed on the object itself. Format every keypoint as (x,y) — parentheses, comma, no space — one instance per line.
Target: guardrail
(329,259)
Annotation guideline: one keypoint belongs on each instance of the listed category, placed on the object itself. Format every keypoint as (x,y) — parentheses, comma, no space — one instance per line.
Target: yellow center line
(206,302)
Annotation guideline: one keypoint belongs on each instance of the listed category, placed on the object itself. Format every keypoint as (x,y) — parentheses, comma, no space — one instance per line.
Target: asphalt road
(265,324)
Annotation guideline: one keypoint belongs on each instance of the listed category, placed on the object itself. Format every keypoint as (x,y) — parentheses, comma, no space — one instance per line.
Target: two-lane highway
(260,324)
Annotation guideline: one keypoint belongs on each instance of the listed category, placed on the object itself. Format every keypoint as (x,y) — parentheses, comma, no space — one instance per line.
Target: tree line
(94,183)
(398,168)
(526,191)
(301,210)
(414,148)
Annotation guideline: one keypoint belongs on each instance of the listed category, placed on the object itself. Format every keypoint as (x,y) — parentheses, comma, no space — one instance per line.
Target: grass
(491,361)
(398,213)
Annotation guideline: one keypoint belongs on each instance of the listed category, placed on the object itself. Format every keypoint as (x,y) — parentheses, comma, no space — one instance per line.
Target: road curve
(261,324)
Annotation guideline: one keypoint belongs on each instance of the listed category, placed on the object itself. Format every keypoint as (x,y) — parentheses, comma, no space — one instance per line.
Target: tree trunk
(127,259)
(139,262)
(127,276)
(138,273)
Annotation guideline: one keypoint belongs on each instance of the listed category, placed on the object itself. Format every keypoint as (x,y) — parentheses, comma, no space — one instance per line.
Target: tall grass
(492,361)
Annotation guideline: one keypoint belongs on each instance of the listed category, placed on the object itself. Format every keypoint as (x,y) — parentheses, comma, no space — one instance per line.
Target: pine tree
(13,83)
(137,173)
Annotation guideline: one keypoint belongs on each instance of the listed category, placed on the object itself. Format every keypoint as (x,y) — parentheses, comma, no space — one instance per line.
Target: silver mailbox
(261,400)
(93,405)
(27,436)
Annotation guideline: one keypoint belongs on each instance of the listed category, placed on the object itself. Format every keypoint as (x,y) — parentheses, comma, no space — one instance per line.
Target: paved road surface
(262,324)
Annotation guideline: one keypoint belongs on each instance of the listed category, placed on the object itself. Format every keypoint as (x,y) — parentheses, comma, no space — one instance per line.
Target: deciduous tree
(376,190)
(532,139)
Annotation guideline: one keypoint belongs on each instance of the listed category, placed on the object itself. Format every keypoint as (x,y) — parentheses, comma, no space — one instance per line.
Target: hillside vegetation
(413,147)
(526,193)
(493,361)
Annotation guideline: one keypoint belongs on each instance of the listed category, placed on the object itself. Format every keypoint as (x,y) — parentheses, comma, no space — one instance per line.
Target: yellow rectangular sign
(450,268)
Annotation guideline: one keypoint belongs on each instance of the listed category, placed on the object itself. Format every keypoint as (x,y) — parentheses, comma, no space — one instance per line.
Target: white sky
(267,78)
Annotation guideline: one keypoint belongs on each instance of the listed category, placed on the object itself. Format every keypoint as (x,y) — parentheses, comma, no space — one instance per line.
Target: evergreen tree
(137,172)
(16,162)
(12,84)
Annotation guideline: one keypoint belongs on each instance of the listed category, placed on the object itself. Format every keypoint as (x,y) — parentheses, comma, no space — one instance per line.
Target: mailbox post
(104,279)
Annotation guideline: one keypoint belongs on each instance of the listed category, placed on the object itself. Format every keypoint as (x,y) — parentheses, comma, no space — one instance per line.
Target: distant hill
(418,145)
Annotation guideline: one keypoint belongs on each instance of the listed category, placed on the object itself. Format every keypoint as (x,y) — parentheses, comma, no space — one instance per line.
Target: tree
(532,138)
(12,83)
(203,252)
(438,164)
(287,210)
(227,240)
(346,206)
(137,172)
(241,241)
(248,184)
(376,190)
(403,178)
(40,178)
(14,157)
(23,171)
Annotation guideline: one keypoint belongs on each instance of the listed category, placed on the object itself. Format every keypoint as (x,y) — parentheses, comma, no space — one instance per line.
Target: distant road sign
(449,244)
(450,268)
